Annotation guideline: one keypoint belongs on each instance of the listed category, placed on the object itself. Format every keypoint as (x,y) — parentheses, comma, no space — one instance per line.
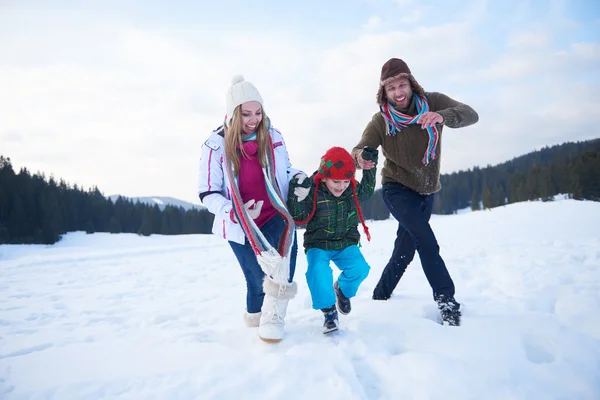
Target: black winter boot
(331,319)
(449,309)
(343,303)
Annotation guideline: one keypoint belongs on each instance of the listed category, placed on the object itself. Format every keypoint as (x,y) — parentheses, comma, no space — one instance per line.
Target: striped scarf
(274,262)
(395,121)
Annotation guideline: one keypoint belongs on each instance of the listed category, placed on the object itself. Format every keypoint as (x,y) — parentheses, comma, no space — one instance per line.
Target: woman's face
(251,113)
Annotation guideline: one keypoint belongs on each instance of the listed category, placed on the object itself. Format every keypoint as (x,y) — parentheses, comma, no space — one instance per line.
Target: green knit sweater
(404,151)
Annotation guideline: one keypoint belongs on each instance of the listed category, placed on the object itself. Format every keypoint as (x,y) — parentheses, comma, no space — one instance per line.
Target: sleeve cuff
(232,216)
(448,116)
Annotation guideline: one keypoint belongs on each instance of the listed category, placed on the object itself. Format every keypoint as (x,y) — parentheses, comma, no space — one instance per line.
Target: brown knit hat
(396,68)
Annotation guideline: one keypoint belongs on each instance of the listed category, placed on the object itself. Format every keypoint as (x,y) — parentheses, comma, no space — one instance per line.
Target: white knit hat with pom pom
(240,92)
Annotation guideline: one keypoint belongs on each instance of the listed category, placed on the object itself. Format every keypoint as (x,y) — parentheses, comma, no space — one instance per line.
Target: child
(328,203)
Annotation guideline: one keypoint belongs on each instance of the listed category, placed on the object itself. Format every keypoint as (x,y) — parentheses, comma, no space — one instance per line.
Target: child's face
(337,187)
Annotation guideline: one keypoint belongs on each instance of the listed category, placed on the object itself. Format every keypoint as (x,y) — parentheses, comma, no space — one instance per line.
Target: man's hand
(364,164)
(429,119)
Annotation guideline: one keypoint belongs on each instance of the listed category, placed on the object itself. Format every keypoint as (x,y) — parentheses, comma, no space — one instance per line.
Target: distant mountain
(162,201)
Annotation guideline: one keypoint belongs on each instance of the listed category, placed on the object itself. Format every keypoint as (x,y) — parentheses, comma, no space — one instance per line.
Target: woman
(244,179)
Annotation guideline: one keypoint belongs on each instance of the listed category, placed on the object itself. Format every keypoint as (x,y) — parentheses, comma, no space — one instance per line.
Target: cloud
(127,106)
(513,66)
(372,23)
(588,51)
(12,136)
(528,40)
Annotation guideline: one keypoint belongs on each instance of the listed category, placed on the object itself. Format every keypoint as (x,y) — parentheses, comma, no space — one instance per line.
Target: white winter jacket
(214,187)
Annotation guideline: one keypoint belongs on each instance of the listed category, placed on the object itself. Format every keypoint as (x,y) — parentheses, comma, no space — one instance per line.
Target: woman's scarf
(274,262)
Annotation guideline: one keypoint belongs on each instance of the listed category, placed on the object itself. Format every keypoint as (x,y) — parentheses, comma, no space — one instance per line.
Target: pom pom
(237,79)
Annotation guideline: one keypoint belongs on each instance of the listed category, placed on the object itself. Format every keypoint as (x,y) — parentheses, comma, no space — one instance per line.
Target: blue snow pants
(319,275)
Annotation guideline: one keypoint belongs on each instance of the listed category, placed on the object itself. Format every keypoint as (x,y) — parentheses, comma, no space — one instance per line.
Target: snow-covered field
(125,317)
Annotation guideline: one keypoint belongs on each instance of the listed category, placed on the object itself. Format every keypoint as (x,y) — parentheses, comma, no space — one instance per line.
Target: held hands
(429,119)
(301,192)
(300,177)
(367,158)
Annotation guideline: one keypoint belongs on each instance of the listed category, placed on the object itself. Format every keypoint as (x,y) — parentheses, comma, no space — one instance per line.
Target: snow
(128,317)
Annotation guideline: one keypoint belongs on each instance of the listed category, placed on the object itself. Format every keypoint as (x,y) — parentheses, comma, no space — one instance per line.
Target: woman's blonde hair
(233,140)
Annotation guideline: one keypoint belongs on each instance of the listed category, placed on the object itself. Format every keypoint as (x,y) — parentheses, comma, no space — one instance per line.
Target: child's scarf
(275,263)
(395,121)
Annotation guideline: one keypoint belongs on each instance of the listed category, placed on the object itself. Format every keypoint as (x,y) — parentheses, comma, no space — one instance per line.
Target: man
(408,128)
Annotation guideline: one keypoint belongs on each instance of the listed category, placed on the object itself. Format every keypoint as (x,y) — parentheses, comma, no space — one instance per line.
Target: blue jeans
(412,211)
(320,277)
(253,273)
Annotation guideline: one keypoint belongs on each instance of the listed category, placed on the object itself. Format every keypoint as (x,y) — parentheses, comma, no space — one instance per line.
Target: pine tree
(89,227)
(165,226)
(146,228)
(17,222)
(517,191)
(586,174)
(51,224)
(115,226)
(7,187)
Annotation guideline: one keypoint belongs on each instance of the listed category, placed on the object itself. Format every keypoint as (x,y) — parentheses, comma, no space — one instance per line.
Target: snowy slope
(160,317)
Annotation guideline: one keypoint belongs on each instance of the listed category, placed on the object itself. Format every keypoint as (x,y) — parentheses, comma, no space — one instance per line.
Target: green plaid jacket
(334,224)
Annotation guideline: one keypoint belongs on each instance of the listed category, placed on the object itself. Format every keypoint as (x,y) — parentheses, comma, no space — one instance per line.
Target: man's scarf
(395,121)
(274,262)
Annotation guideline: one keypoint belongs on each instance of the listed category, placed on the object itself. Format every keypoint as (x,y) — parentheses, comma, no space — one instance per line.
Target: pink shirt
(252,183)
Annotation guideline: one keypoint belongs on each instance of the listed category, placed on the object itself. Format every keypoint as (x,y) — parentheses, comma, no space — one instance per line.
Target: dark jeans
(412,211)
(254,275)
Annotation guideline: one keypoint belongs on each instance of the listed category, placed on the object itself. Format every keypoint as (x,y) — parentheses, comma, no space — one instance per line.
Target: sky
(130,317)
(122,94)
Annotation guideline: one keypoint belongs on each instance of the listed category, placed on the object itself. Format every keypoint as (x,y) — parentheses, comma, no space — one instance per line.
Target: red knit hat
(337,164)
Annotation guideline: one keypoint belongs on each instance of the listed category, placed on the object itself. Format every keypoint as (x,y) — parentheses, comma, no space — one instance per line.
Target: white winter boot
(252,320)
(274,309)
